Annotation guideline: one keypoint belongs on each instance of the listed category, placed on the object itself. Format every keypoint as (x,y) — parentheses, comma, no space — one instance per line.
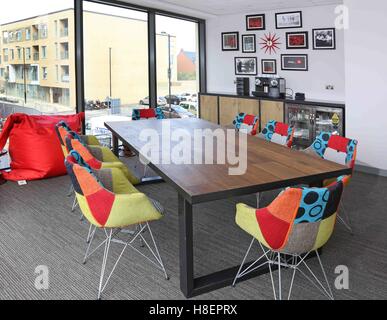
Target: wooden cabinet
(271,110)
(209,108)
(229,108)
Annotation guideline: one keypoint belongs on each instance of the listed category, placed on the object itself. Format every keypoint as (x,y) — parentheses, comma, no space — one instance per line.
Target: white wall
(325,67)
(366,79)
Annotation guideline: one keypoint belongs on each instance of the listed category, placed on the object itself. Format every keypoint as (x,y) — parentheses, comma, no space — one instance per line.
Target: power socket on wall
(330,87)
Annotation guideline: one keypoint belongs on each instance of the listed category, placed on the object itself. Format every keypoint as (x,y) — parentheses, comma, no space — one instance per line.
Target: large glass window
(115,64)
(28,83)
(177,66)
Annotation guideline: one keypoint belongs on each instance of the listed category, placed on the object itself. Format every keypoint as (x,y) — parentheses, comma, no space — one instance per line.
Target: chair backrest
(301,220)
(336,148)
(62,129)
(151,113)
(278,132)
(95,201)
(73,142)
(247,122)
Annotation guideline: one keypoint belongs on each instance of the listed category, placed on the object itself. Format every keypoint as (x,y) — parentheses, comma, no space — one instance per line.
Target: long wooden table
(269,167)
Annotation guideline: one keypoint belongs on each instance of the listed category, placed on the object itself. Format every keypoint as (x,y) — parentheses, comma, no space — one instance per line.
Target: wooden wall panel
(209,108)
(228,110)
(271,110)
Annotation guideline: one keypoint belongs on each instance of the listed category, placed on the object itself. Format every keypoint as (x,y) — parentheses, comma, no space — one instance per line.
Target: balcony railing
(36,56)
(35,36)
(64,55)
(65,78)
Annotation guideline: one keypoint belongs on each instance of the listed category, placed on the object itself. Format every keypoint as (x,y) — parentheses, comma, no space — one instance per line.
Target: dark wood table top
(269,166)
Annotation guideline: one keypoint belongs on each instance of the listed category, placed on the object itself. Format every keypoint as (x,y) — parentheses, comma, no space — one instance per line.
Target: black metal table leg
(186,247)
(115,145)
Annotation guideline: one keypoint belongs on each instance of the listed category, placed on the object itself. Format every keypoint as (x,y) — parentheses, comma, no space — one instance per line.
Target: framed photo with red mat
(297,40)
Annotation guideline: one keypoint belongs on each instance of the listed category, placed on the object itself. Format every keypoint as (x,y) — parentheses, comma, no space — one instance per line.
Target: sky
(184,31)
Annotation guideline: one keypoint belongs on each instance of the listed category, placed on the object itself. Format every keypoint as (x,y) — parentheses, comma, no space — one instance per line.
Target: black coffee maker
(273,87)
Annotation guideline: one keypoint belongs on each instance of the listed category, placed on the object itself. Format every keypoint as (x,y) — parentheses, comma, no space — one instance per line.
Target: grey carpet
(37,228)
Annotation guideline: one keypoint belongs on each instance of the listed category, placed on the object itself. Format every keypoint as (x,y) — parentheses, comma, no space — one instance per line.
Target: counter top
(311,102)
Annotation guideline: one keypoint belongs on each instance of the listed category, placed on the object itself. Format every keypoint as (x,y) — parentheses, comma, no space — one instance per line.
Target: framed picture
(246,66)
(248,43)
(255,22)
(294,62)
(230,41)
(297,40)
(288,20)
(324,39)
(269,66)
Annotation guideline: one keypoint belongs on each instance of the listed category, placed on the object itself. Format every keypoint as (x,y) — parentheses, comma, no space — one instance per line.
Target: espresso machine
(273,87)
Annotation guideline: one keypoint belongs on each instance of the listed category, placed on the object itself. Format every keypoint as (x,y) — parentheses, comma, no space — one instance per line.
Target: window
(19,35)
(45,73)
(65,73)
(177,61)
(117,72)
(28,53)
(43,31)
(28,34)
(12,54)
(34,73)
(31,25)
(44,52)
(56,28)
(5,37)
(56,51)
(5,54)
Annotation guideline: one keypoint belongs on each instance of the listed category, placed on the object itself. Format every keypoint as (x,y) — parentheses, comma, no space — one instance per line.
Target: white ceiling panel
(224,7)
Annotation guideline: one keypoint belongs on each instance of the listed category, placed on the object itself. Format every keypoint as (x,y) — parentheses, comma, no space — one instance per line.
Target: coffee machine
(273,87)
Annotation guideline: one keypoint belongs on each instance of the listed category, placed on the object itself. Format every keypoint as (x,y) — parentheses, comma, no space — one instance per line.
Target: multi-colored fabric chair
(297,223)
(337,149)
(247,122)
(151,113)
(110,203)
(278,132)
(98,157)
(63,129)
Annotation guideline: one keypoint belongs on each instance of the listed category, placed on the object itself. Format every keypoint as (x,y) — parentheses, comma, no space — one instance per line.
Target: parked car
(193,98)
(172,100)
(177,112)
(185,96)
(160,101)
(190,106)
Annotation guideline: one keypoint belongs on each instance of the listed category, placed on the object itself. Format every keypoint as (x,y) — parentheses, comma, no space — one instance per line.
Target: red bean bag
(34,146)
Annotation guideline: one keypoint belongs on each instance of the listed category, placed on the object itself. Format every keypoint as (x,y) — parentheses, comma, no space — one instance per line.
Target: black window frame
(152,67)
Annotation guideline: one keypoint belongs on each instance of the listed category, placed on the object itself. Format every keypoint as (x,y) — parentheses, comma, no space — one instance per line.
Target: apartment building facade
(37,58)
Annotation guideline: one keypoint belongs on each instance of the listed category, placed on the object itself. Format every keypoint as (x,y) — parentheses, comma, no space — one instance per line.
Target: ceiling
(211,8)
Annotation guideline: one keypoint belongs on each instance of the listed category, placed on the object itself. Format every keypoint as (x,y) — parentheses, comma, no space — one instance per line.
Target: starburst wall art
(270,43)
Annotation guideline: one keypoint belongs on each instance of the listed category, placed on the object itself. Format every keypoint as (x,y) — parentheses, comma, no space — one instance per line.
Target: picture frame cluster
(321,39)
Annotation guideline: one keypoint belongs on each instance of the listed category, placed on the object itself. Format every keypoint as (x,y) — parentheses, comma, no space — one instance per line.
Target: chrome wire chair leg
(91,238)
(243,262)
(279,277)
(110,238)
(325,275)
(71,190)
(104,260)
(259,199)
(253,266)
(294,264)
(317,283)
(157,251)
(75,204)
(346,222)
(89,234)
